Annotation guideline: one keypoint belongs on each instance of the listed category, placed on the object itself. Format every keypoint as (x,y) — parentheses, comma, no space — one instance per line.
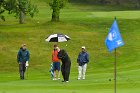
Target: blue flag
(114,38)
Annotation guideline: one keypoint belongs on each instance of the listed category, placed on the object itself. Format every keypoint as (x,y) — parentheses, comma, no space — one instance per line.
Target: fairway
(86,25)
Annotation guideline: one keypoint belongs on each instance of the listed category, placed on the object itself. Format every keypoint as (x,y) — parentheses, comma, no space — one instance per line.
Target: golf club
(27,71)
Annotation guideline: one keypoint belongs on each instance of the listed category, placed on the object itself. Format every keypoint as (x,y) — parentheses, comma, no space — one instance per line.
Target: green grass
(86,25)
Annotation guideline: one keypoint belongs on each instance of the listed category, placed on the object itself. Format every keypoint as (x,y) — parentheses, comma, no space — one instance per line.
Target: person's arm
(52,56)
(60,55)
(64,54)
(18,56)
(78,61)
(87,58)
(78,58)
(28,56)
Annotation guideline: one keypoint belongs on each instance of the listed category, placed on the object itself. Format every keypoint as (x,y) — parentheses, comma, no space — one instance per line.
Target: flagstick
(115,73)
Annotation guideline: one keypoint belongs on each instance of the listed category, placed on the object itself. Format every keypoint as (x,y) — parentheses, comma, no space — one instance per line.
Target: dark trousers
(22,69)
(65,69)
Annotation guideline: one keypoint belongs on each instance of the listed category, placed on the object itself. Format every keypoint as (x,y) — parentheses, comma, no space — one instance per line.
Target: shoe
(63,81)
(58,78)
(21,78)
(78,78)
(54,79)
(83,78)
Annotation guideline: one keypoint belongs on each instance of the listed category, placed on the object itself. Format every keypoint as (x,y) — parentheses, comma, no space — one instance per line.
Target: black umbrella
(57,38)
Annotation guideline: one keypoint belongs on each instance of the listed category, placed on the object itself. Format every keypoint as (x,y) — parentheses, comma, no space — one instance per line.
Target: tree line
(21,8)
(127,3)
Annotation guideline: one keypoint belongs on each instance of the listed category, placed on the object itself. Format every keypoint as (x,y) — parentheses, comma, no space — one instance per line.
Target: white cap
(83,47)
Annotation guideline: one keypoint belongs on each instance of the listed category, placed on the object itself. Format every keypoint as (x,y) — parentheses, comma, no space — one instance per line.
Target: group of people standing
(62,55)
(82,61)
(57,55)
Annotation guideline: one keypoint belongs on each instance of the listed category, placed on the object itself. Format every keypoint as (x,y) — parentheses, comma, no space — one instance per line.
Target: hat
(83,47)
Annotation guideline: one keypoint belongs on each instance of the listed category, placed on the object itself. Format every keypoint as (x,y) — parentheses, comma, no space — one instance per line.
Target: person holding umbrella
(82,60)
(23,57)
(56,38)
(56,62)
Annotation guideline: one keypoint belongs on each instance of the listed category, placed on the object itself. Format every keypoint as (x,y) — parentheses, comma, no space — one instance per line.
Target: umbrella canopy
(57,38)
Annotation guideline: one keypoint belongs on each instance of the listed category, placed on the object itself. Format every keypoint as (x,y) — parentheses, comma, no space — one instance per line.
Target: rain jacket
(23,55)
(83,58)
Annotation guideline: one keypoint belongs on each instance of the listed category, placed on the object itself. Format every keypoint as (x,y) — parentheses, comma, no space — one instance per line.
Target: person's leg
(84,70)
(54,68)
(63,73)
(21,71)
(80,72)
(66,76)
(68,71)
(54,75)
(59,70)
(24,69)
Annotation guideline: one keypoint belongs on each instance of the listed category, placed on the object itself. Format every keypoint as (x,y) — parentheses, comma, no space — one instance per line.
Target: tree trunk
(138,3)
(55,15)
(117,2)
(21,17)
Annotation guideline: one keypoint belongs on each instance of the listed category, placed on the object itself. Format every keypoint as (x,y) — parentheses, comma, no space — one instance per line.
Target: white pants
(82,71)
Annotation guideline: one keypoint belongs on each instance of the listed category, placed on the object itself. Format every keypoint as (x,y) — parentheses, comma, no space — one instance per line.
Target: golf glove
(27,63)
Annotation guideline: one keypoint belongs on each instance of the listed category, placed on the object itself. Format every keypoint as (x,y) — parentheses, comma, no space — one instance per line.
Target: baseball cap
(83,47)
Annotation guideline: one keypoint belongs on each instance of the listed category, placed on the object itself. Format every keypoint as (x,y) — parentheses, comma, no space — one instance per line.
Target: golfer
(82,60)
(23,57)
(56,62)
(66,64)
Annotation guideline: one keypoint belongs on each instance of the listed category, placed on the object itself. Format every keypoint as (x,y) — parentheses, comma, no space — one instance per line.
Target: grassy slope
(86,25)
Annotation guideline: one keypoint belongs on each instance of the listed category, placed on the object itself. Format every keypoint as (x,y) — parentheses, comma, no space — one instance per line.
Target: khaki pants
(82,71)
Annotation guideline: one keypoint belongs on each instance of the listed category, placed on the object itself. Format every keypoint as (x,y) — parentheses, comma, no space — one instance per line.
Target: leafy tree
(20,8)
(56,6)
(2,10)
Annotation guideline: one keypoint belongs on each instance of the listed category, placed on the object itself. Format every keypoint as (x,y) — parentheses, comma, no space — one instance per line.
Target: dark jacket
(23,55)
(66,64)
(64,57)
(83,58)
